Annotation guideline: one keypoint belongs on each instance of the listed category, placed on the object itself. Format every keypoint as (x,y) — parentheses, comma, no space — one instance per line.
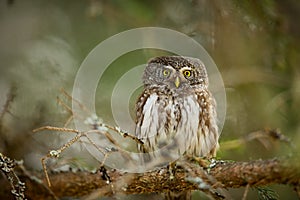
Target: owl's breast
(168,120)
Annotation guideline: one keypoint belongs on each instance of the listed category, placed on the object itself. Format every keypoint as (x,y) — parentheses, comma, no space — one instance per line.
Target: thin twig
(246,192)
(56,154)
(124,134)
(7,167)
(75,100)
(10,97)
(53,128)
(64,105)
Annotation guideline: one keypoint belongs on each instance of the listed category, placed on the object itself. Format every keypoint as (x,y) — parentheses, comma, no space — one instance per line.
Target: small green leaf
(266,193)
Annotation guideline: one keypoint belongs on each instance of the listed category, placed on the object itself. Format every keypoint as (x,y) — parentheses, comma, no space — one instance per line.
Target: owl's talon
(172,168)
(171,177)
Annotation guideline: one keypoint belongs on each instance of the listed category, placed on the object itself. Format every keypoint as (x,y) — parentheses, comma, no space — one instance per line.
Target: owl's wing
(147,118)
(150,120)
(208,127)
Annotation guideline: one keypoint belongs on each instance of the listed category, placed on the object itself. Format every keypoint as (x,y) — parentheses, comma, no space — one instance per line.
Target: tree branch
(189,175)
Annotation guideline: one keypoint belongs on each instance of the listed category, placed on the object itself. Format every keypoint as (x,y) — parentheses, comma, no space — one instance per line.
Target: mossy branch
(212,175)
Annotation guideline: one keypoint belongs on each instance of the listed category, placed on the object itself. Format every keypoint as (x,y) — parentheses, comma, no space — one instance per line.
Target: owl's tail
(186,195)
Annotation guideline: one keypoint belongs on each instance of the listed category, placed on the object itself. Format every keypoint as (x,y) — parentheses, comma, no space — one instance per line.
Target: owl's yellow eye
(166,72)
(187,73)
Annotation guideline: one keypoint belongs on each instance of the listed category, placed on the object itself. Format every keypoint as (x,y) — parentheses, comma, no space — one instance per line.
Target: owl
(177,110)
(177,105)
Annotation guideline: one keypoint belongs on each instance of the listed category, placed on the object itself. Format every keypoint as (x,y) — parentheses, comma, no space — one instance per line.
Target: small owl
(176,104)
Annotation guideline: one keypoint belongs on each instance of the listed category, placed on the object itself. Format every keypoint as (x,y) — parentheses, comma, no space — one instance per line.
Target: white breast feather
(188,128)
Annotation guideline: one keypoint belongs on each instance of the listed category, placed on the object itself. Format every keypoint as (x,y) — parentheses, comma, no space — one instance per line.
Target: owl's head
(176,73)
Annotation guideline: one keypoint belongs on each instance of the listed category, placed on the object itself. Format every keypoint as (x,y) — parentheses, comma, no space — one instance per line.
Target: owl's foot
(202,161)
(172,170)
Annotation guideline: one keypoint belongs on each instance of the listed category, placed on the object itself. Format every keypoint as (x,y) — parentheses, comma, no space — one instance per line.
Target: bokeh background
(255,44)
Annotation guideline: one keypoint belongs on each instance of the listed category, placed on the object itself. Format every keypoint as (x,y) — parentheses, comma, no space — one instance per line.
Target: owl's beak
(177,81)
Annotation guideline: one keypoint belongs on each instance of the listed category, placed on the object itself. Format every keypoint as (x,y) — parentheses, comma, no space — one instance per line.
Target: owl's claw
(171,175)
(172,169)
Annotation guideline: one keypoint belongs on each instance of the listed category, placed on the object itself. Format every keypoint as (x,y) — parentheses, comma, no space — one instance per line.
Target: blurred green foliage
(254,43)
